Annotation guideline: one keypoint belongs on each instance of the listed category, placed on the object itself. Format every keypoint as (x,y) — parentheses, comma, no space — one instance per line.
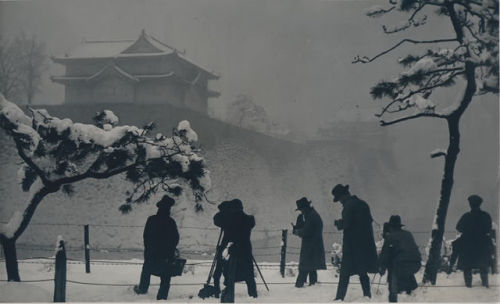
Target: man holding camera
(309,228)
(237,226)
(359,254)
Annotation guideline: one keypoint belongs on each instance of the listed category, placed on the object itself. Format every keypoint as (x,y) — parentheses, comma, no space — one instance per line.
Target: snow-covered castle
(141,71)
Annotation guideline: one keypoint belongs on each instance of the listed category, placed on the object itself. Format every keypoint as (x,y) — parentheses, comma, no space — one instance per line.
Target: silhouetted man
(400,256)
(359,254)
(237,226)
(312,251)
(475,245)
(160,240)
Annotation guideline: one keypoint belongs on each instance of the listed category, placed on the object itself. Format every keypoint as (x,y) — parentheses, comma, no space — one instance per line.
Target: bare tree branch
(384,123)
(365,59)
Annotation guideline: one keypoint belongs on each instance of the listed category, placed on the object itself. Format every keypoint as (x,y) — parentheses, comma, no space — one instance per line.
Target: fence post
(283,252)
(60,272)
(87,247)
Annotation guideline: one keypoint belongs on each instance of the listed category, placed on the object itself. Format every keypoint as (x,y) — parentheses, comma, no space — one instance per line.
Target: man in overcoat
(401,257)
(359,254)
(160,240)
(312,251)
(475,245)
(237,226)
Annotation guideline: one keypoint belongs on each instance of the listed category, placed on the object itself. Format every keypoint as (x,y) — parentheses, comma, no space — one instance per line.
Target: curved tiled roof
(107,49)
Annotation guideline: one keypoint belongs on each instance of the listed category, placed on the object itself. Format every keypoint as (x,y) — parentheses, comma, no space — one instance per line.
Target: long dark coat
(312,250)
(401,256)
(160,240)
(359,254)
(475,245)
(237,228)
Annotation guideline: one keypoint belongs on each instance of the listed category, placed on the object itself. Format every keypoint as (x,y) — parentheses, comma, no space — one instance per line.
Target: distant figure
(309,227)
(359,254)
(475,245)
(401,258)
(160,240)
(237,228)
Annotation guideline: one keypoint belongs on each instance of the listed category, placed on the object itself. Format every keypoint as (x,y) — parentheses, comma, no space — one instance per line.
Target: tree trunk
(453,120)
(433,260)
(9,243)
(9,250)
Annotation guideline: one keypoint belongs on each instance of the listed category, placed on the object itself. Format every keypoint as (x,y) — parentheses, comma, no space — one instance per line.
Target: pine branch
(365,59)
(420,90)
(32,164)
(384,123)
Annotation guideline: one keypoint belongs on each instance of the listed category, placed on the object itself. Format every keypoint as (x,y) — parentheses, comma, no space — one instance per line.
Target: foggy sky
(292,57)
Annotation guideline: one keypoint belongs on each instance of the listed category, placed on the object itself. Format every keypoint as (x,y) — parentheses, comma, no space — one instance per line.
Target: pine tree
(468,59)
(57,153)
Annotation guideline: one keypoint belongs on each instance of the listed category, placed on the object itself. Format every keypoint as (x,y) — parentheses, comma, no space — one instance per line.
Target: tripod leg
(260,273)
(215,258)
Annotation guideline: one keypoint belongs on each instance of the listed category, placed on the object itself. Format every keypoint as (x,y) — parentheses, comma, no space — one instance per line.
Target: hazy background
(292,57)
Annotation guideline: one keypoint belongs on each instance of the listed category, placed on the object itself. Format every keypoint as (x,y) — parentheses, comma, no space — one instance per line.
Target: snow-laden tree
(57,153)
(22,63)
(466,60)
(32,58)
(245,113)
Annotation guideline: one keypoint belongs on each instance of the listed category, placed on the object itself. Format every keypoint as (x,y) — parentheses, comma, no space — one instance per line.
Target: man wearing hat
(400,256)
(237,227)
(476,244)
(309,227)
(359,254)
(160,240)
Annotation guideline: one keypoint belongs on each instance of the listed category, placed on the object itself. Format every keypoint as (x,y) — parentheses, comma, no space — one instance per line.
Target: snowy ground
(111,281)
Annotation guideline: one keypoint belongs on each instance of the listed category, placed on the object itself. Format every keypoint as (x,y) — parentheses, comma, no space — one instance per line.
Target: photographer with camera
(237,226)
(359,254)
(309,227)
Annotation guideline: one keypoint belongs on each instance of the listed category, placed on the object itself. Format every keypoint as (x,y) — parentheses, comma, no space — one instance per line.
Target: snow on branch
(10,228)
(412,91)
(438,152)
(62,152)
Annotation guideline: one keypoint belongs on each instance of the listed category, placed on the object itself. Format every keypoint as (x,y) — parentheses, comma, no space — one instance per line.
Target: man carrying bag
(160,241)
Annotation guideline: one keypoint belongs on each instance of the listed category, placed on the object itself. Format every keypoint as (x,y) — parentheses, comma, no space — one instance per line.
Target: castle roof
(144,46)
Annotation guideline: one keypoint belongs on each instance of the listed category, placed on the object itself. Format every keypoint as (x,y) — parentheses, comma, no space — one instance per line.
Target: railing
(60,260)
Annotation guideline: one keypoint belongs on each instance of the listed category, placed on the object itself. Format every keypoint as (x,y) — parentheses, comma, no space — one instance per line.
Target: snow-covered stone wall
(391,170)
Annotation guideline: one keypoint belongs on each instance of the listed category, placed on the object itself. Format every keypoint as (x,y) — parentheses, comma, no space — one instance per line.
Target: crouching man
(400,256)
(160,240)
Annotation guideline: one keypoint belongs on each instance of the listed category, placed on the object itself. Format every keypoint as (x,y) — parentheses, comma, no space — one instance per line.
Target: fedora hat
(166,201)
(237,204)
(302,203)
(224,205)
(475,201)
(395,221)
(338,191)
